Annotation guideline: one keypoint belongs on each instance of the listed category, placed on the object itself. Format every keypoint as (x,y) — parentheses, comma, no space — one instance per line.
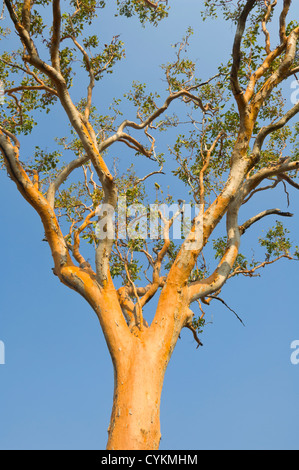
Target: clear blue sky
(240,391)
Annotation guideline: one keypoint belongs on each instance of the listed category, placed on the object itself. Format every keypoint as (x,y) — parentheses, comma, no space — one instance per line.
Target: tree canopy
(230,137)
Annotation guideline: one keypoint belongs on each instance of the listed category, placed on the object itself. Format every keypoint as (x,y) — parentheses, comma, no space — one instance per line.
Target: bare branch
(205,167)
(290,181)
(264,188)
(11,136)
(261,71)
(251,183)
(84,130)
(137,309)
(31,87)
(265,131)
(260,216)
(37,201)
(270,7)
(204,287)
(121,136)
(160,256)
(56,35)
(76,246)
(150,4)
(32,74)
(236,88)
(282,20)
(215,297)
(294,72)
(62,176)
(282,72)
(90,72)
(160,172)
(126,304)
(194,332)
(251,272)
(2,12)
(26,14)
(173,96)
(274,170)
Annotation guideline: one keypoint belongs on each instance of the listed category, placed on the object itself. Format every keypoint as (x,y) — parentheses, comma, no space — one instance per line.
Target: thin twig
(224,303)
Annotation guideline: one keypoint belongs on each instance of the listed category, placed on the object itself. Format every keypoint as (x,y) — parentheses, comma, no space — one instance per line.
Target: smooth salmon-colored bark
(140,353)
(135,420)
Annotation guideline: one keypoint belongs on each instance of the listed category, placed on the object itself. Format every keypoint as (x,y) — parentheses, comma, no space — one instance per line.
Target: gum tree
(243,144)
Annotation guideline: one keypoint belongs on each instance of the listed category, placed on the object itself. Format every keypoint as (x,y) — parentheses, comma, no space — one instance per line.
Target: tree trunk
(135,420)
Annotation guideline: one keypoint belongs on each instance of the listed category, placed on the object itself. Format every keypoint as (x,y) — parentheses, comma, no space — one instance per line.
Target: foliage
(30,91)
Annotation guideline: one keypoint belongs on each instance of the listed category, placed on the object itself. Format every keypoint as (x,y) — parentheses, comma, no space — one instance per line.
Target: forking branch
(242,164)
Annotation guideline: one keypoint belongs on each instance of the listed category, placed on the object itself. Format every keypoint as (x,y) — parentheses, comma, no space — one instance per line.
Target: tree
(242,146)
